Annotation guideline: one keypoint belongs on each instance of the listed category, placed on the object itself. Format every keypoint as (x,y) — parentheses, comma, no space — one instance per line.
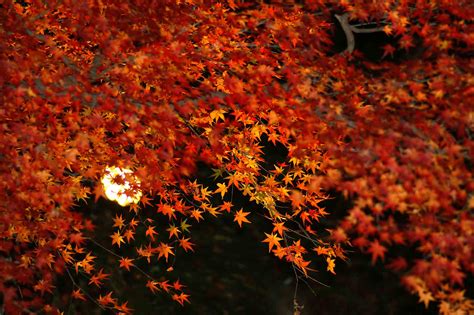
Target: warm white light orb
(120,192)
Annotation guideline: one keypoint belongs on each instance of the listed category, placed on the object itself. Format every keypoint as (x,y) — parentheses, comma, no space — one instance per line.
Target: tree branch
(349,30)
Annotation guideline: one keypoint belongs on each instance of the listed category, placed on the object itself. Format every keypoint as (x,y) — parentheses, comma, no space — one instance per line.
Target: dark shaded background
(231,272)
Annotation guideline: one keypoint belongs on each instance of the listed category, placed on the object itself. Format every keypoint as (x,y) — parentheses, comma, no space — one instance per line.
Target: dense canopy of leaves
(158,87)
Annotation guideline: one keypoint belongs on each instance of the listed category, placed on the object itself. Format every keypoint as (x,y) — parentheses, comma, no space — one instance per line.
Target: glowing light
(117,187)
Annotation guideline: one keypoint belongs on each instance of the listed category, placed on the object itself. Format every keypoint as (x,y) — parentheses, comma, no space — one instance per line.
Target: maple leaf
(164,250)
(76,238)
(123,308)
(177,285)
(106,300)
(78,295)
(240,217)
(186,244)
(196,214)
(117,239)
(425,297)
(129,235)
(44,259)
(301,264)
(43,286)
(126,263)
(173,231)
(323,250)
(150,232)
(152,286)
(133,223)
(118,221)
(398,264)
(331,265)
(279,227)
(145,201)
(164,285)
(222,189)
(377,251)
(217,173)
(166,209)
(272,240)
(181,298)
(217,114)
(98,278)
(234,179)
(388,50)
(184,226)
(226,206)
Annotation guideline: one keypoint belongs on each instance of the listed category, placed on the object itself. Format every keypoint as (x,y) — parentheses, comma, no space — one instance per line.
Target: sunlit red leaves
(69,111)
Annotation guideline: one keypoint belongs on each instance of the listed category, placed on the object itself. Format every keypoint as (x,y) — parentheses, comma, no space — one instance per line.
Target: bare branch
(349,30)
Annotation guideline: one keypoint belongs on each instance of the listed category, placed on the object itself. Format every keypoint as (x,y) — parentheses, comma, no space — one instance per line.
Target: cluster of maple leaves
(158,86)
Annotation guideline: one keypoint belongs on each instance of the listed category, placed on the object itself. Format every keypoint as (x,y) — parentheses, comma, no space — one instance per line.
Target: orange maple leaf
(164,250)
(126,263)
(152,286)
(129,235)
(117,239)
(181,298)
(272,240)
(279,227)
(123,308)
(166,209)
(106,300)
(150,232)
(240,217)
(119,221)
(226,206)
(186,244)
(77,294)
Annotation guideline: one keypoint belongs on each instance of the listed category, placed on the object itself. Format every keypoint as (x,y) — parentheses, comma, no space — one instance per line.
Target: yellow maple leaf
(221,188)
(217,114)
(331,265)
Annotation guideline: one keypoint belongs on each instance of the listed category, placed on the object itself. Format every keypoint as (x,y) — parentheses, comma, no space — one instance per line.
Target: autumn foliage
(160,88)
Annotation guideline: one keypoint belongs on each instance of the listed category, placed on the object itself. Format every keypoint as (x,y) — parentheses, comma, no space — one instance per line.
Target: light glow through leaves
(118,188)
